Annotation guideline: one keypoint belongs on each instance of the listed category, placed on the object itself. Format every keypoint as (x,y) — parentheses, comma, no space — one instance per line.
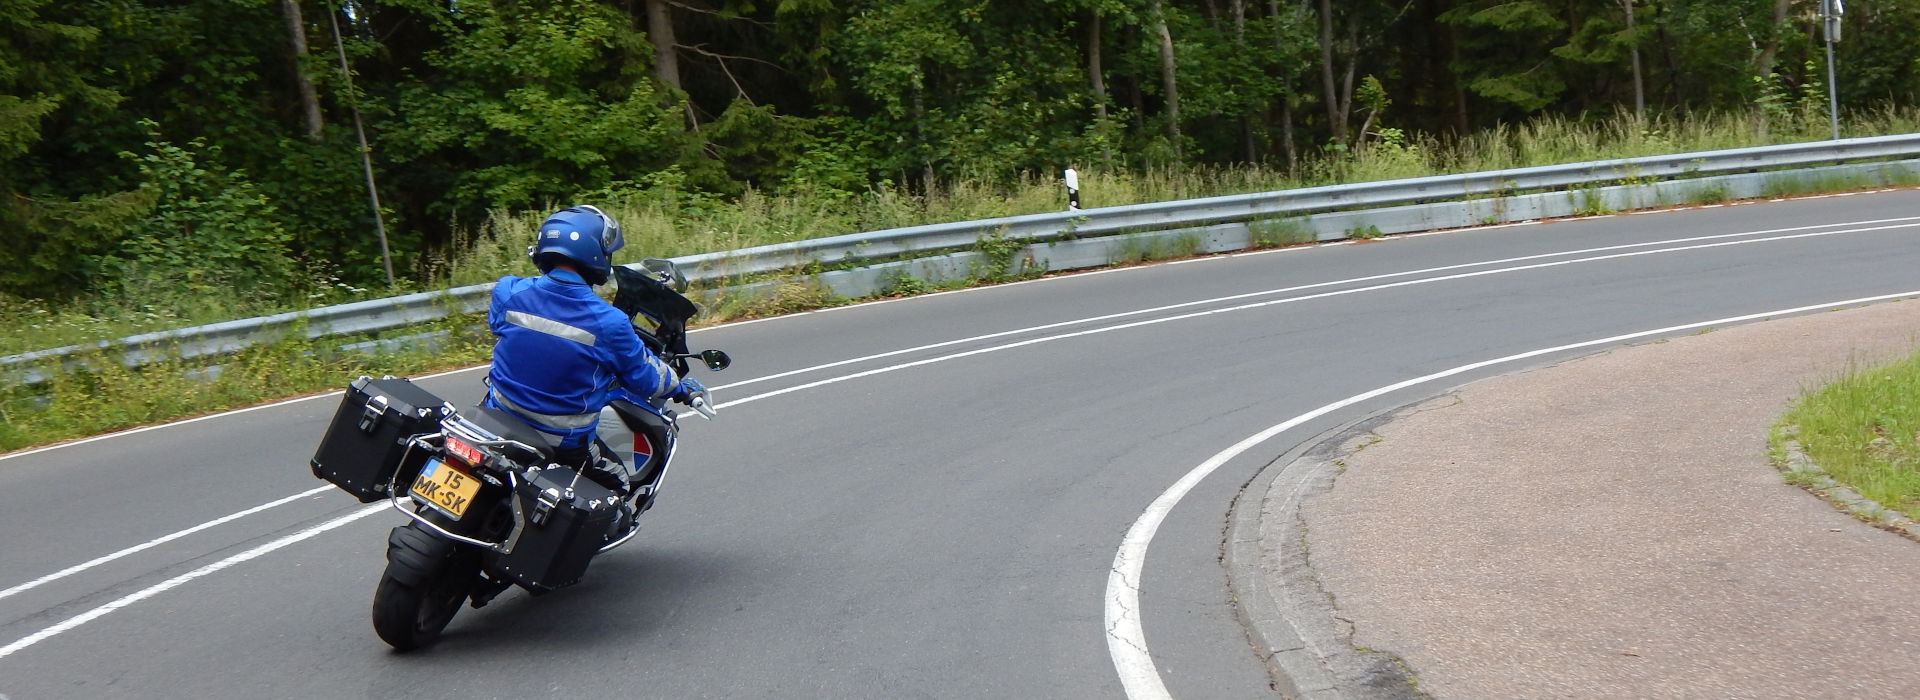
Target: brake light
(465,452)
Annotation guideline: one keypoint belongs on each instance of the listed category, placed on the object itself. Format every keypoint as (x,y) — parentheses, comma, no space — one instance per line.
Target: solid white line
(1722,243)
(1126,638)
(150,544)
(211,416)
(1029,329)
(1256,305)
(137,431)
(177,581)
(1285,290)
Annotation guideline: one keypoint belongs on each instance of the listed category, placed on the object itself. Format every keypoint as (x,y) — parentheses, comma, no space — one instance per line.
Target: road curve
(917,498)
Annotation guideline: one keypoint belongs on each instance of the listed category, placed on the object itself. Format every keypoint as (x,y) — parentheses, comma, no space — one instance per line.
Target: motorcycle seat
(507,426)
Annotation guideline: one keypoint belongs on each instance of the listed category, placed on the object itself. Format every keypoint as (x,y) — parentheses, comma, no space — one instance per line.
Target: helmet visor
(611,239)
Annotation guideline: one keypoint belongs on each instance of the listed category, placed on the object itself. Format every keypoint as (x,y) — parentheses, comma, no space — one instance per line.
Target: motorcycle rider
(561,350)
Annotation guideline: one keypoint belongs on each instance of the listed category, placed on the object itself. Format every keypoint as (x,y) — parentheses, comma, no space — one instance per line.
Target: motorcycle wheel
(408,616)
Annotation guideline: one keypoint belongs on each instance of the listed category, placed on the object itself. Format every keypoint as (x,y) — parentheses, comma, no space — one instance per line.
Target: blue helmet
(582,235)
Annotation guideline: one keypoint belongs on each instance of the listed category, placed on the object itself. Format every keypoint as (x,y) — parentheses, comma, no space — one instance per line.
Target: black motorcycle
(489,508)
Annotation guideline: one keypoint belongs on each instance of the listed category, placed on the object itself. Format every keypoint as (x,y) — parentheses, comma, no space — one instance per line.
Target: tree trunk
(1286,92)
(1675,91)
(1763,64)
(666,54)
(297,47)
(1097,74)
(1461,118)
(920,139)
(666,60)
(1094,70)
(1167,79)
(1336,120)
(1633,49)
(1286,132)
(1237,9)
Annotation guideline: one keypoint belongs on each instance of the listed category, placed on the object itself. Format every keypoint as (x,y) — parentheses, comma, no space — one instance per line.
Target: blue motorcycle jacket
(560,352)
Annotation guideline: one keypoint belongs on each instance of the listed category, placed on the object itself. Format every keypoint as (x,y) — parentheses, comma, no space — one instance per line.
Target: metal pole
(1833,104)
(1830,11)
(366,154)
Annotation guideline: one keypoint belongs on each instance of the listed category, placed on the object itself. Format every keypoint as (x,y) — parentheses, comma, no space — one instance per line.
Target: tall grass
(106,395)
(666,223)
(1864,431)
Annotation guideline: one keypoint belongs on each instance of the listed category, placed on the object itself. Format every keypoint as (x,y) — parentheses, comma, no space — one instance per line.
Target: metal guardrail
(398,312)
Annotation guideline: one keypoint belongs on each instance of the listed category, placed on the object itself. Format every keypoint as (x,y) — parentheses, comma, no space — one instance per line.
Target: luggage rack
(466,430)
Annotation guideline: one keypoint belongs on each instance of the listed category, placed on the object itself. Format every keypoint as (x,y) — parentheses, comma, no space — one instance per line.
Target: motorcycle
(488,508)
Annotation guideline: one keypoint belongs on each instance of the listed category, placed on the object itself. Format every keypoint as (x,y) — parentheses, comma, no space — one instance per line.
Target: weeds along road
(916,498)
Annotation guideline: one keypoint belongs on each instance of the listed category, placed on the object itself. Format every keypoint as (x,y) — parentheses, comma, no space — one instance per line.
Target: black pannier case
(365,444)
(565,524)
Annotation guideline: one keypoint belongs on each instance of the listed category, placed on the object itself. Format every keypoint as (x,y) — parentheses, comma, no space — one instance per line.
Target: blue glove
(688,387)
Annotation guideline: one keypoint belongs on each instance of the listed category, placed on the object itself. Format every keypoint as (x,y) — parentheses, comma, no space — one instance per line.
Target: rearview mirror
(664,270)
(716,360)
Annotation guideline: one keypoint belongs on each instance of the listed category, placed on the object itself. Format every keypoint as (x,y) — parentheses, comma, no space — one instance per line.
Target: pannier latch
(371,417)
(543,506)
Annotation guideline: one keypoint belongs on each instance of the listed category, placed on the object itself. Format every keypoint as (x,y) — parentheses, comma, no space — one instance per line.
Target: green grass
(667,224)
(1864,431)
(107,396)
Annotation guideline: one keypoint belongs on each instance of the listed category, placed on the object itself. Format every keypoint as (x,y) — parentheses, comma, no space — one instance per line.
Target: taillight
(463,451)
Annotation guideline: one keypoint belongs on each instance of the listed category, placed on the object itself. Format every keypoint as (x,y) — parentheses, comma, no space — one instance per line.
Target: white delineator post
(1073,190)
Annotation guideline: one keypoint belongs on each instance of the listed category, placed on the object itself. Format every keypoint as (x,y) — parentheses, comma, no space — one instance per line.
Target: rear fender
(415,555)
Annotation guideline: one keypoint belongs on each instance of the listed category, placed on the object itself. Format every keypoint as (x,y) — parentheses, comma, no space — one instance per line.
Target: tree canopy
(142,141)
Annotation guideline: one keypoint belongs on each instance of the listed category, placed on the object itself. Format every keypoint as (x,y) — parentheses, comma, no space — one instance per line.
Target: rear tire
(419,595)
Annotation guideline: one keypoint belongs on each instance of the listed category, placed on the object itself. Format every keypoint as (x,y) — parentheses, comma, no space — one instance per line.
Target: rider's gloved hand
(688,387)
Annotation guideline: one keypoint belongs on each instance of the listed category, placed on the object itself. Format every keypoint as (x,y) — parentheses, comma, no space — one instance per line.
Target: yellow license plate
(445,488)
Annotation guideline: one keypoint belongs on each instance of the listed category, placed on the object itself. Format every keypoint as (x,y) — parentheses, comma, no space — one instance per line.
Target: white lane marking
(137,431)
(177,581)
(1256,305)
(1318,285)
(1024,330)
(150,544)
(1126,638)
(1136,324)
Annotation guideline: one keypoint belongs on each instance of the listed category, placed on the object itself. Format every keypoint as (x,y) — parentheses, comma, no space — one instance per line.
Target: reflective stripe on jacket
(560,351)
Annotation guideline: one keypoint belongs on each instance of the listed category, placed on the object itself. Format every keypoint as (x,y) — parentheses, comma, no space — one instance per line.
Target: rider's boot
(613,475)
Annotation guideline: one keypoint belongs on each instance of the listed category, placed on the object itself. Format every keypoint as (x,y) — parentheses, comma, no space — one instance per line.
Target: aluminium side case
(564,522)
(366,445)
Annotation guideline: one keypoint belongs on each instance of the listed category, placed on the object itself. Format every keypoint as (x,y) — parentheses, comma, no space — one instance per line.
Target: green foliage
(903,284)
(1513,35)
(210,233)
(530,104)
(103,395)
(802,118)
(1862,431)
(998,252)
(1281,232)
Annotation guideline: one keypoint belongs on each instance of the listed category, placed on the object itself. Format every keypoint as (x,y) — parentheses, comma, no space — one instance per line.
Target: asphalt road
(917,498)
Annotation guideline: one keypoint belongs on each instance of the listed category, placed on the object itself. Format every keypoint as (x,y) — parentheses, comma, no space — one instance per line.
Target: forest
(233,148)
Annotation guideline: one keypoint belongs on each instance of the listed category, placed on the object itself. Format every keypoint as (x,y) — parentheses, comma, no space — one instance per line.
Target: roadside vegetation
(1863,431)
(92,393)
(157,176)
(667,222)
